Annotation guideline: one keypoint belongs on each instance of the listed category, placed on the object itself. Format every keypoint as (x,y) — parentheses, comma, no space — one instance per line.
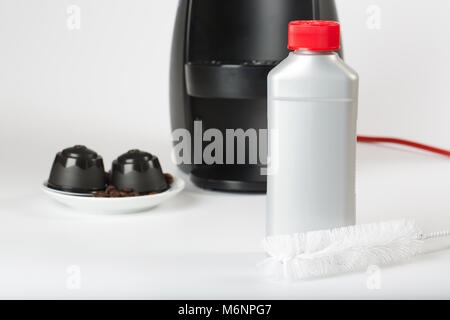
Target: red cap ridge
(313,35)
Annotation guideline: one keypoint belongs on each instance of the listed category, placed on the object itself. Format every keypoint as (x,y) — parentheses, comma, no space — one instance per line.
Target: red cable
(404,142)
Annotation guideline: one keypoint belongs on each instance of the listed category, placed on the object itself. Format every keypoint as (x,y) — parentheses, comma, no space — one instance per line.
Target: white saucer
(114,205)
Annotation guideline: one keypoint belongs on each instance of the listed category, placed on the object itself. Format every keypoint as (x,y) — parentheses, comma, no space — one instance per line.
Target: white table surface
(106,85)
(206,244)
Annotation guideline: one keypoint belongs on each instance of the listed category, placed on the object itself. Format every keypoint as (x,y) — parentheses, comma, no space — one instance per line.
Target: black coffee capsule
(77,169)
(138,170)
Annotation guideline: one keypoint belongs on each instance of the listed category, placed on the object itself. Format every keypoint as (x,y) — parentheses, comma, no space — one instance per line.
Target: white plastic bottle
(312,110)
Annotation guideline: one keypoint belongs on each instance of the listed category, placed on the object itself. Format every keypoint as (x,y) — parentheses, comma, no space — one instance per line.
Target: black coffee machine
(222,51)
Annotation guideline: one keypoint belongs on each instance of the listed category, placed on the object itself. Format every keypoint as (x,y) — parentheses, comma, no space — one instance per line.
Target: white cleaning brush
(328,252)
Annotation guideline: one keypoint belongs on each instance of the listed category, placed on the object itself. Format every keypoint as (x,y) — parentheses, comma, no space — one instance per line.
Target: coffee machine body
(222,51)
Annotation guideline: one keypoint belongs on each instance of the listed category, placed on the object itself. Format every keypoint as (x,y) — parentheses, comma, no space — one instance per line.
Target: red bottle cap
(313,35)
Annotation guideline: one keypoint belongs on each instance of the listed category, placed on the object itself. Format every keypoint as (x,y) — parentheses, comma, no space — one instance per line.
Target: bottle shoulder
(298,66)
(313,75)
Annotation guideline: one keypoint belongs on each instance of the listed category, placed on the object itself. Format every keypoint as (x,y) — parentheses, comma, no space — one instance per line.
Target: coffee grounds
(112,192)
(169,178)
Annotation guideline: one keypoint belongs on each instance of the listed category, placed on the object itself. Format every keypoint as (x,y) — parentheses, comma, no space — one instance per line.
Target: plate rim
(177,185)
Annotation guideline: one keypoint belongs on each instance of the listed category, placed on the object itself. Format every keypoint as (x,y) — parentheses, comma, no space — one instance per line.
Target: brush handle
(435,235)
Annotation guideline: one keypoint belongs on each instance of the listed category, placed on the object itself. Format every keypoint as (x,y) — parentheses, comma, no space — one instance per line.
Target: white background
(106,86)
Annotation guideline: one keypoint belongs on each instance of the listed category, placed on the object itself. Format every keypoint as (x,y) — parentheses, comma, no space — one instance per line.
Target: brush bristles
(328,252)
